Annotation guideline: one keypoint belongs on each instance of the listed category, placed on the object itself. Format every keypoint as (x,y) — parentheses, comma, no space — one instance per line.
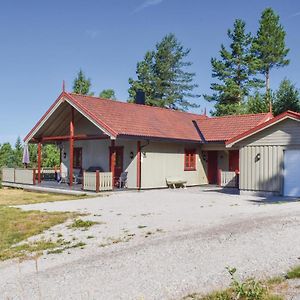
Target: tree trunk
(267,81)
(268,89)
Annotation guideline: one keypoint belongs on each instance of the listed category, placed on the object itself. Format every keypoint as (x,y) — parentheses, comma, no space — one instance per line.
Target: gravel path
(159,245)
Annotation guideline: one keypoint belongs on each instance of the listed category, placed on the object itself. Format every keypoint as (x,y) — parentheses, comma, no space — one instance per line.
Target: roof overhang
(65,97)
(286,115)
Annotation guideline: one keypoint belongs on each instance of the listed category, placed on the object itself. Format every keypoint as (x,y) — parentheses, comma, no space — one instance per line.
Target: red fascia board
(44,116)
(263,125)
(92,116)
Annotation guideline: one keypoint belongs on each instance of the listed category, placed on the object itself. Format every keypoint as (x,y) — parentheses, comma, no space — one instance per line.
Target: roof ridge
(147,106)
(242,115)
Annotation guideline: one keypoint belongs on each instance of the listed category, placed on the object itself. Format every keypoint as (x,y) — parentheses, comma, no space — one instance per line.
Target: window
(190,160)
(77,158)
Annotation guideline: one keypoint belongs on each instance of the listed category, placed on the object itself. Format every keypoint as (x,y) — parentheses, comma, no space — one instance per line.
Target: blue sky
(44,42)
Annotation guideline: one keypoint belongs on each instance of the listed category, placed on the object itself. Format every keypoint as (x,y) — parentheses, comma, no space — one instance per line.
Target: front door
(234,160)
(117,161)
(212,162)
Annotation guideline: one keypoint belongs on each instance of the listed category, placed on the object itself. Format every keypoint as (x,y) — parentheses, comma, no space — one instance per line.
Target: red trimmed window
(190,160)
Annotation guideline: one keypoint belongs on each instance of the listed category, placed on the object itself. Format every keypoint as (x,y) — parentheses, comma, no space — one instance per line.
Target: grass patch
(20,197)
(293,273)
(249,289)
(79,223)
(17,225)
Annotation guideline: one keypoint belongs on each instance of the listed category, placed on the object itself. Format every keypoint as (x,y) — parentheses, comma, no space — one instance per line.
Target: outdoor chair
(123,180)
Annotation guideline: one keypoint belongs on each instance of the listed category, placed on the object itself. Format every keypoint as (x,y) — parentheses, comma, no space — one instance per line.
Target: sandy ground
(160,244)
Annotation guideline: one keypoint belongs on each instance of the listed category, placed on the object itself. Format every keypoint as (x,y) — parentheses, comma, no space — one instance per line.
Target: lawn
(19,197)
(17,225)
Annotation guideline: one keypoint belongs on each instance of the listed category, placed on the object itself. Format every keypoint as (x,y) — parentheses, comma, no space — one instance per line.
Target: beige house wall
(262,156)
(162,160)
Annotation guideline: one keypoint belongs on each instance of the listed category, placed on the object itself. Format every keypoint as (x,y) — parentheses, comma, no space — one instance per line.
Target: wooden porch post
(39,161)
(113,160)
(71,147)
(138,157)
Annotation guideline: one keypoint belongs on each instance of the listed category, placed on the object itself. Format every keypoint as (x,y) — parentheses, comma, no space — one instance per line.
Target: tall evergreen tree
(108,94)
(269,45)
(257,103)
(286,98)
(81,84)
(163,76)
(235,71)
(18,153)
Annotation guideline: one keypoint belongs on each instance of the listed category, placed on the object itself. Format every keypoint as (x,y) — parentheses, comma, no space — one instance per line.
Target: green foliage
(12,157)
(18,153)
(32,148)
(286,98)
(162,75)
(249,289)
(7,156)
(51,156)
(81,84)
(293,273)
(269,44)
(235,71)
(79,223)
(257,103)
(223,109)
(108,94)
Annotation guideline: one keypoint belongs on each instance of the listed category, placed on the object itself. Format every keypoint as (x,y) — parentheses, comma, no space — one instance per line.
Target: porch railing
(22,176)
(228,178)
(97,181)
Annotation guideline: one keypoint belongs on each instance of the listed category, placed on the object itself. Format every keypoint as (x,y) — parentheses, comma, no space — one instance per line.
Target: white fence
(23,176)
(8,174)
(228,179)
(97,181)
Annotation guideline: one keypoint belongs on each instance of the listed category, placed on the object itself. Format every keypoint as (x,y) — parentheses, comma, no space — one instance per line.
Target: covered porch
(92,159)
(221,165)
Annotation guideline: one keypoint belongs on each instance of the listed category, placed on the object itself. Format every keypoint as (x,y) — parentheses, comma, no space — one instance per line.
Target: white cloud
(92,33)
(297,14)
(146,4)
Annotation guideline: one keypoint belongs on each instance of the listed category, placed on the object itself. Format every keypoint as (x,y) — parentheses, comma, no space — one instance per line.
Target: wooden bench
(174,181)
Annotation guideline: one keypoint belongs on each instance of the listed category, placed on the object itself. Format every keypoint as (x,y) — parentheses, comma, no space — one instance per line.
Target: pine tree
(286,98)
(162,75)
(81,84)
(235,71)
(108,94)
(18,153)
(257,103)
(269,45)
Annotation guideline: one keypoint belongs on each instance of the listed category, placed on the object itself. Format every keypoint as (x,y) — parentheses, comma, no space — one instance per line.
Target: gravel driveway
(160,244)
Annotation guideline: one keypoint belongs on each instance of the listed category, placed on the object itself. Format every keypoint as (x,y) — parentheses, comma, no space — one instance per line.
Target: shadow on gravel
(274,200)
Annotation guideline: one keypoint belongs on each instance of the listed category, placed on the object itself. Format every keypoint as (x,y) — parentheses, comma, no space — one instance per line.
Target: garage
(270,156)
(291,173)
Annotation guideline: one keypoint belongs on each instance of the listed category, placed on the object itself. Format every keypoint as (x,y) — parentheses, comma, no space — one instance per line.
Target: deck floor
(51,187)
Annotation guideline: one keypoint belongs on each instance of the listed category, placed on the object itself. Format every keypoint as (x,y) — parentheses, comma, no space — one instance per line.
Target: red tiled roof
(121,119)
(129,119)
(262,126)
(227,127)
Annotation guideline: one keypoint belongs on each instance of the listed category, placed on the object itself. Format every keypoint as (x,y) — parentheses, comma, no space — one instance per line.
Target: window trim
(187,156)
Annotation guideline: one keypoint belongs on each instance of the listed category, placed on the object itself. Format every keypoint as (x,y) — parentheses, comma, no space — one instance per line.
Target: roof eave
(262,126)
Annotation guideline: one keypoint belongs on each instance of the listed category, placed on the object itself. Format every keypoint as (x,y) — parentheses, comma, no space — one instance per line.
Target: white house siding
(266,174)
(162,160)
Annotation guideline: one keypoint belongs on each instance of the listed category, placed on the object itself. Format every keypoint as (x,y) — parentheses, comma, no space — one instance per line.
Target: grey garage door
(292,173)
